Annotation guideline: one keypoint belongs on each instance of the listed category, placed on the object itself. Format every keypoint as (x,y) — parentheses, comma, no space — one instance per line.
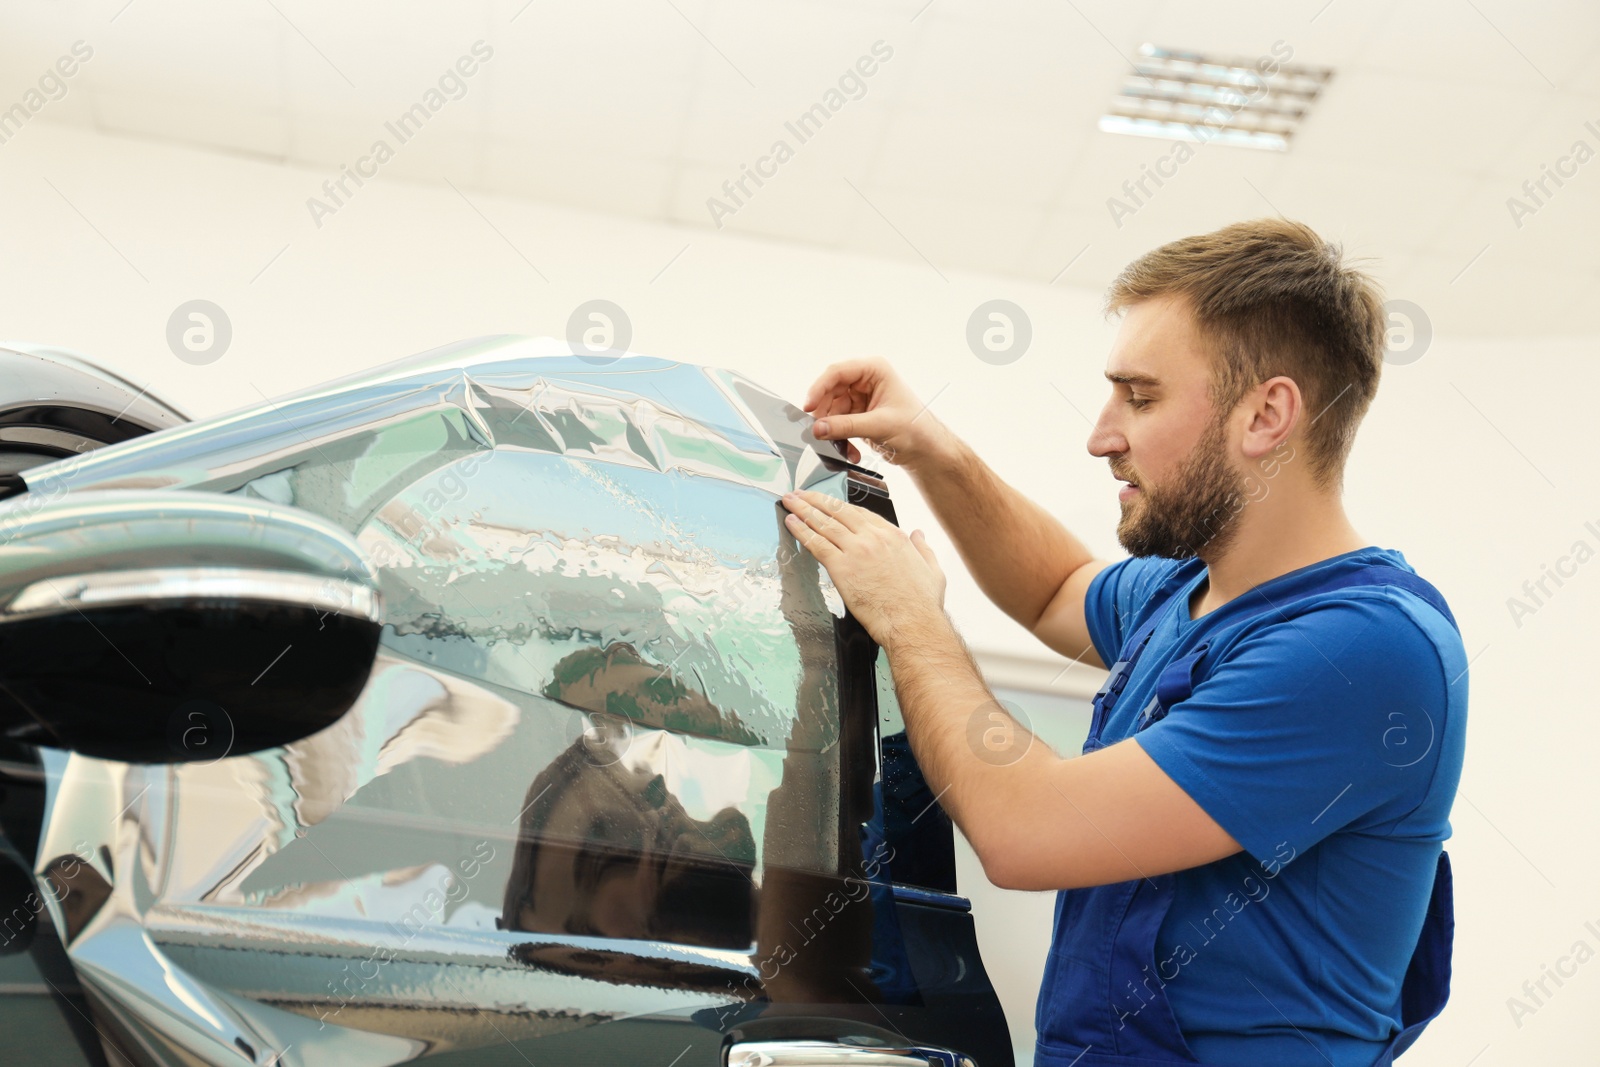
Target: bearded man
(1248,852)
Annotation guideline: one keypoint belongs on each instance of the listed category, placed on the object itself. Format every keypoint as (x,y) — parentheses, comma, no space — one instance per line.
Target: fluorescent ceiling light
(1186,96)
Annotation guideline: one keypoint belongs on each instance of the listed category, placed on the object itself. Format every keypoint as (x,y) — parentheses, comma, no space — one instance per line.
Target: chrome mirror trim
(167,584)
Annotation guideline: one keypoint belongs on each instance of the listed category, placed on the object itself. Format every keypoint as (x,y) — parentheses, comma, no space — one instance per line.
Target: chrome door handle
(837,1054)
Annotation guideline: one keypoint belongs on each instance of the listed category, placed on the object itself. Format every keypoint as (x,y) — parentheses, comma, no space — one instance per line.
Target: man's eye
(1137,403)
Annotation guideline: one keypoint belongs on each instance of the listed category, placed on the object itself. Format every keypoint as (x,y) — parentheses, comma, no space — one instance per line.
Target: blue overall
(1077,1024)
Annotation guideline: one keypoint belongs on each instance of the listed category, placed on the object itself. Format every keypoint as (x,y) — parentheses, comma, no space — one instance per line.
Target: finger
(850,399)
(807,517)
(828,515)
(852,453)
(836,378)
(810,538)
(846,514)
(862,424)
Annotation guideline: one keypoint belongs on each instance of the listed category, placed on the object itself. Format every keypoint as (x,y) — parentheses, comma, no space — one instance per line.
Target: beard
(1196,511)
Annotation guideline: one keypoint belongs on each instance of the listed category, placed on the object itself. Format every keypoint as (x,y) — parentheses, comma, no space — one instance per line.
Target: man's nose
(1105,439)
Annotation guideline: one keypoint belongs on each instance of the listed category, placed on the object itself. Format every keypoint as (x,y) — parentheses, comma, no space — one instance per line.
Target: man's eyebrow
(1133,379)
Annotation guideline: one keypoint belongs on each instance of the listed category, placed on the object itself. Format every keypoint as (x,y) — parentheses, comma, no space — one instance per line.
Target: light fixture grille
(1187,96)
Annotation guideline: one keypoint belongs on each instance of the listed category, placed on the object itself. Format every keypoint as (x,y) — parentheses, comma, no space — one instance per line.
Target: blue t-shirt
(1329,745)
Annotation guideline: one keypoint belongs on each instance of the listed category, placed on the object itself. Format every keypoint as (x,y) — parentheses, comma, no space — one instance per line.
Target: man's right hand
(866,399)
(1022,557)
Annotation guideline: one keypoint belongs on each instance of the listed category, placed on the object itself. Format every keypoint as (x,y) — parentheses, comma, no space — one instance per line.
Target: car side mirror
(162,626)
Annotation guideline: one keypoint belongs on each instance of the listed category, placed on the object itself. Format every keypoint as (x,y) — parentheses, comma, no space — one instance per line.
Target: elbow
(1025,877)
(1006,868)
(1011,851)
(1001,879)
(1019,864)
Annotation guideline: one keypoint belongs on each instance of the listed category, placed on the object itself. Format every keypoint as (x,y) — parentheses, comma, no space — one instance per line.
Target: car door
(616,788)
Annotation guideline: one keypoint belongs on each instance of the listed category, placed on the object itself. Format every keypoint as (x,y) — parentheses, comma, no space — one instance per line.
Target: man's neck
(1289,536)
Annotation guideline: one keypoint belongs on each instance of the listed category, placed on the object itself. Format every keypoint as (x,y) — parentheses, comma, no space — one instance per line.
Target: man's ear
(1275,408)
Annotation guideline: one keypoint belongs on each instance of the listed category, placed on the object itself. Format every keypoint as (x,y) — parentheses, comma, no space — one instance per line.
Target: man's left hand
(883,576)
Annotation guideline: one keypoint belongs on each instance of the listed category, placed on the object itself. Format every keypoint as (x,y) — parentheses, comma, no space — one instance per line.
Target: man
(1251,844)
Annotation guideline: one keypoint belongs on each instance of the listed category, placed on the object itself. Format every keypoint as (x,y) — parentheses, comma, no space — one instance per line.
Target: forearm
(1018,553)
(982,764)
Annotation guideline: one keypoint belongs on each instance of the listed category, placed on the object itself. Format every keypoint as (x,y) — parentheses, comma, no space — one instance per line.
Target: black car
(478,708)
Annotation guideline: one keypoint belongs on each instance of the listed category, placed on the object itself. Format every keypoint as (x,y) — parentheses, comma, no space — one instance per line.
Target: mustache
(1122,474)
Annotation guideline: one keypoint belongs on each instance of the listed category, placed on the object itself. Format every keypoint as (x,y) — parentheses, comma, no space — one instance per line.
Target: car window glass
(610,694)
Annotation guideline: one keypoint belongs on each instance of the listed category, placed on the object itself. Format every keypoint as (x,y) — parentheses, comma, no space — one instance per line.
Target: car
(478,708)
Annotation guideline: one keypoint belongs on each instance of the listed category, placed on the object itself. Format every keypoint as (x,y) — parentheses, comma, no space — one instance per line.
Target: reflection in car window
(657,593)
(652,683)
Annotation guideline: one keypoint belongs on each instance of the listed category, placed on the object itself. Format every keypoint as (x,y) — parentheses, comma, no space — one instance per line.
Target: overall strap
(1426,987)
(1179,677)
(1387,575)
(1117,679)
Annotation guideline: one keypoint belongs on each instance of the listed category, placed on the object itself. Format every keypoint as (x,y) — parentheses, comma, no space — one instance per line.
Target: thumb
(873,424)
(920,542)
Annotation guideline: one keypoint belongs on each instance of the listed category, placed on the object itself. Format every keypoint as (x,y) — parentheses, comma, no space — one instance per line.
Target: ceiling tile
(1423,122)
(1015,72)
(30,49)
(1317,32)
(1118,24)
(1486,42)
(226,61)
(725,137)
(796,51)
(951,234)
(1548,134)
(807,200)
(1545,238)
(1120,177)
(606,77)
(976,154)
(36,35)
(1373,207)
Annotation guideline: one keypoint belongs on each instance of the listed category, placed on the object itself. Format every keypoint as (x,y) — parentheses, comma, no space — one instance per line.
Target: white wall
(1477,460)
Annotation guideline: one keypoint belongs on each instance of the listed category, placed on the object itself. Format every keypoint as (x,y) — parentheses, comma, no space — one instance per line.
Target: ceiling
(973,146)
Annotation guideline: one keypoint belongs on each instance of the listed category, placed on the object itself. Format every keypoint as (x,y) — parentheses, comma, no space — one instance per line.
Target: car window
(610,694)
